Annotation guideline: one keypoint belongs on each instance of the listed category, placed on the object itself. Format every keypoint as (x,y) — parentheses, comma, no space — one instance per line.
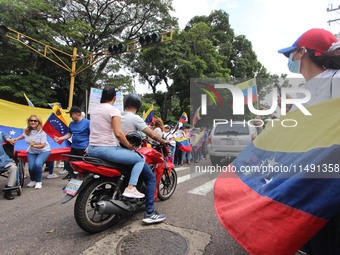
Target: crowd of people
(197,140)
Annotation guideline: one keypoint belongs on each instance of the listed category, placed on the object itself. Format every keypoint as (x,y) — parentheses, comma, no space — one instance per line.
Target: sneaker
(153,217)
(52,176)
(31,184)
(134,193)
(62,172)
(38,185)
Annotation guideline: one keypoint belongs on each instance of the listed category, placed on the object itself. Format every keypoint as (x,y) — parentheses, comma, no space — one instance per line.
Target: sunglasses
(33,121)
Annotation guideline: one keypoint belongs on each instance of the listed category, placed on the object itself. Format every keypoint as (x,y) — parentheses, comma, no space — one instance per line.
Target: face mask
(294,66)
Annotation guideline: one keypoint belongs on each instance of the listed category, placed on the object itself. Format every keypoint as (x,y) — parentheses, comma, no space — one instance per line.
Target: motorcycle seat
(100,162)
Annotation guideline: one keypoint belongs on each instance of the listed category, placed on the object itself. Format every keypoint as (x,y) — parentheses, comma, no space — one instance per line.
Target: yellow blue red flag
(284,187)
(244,87)
(14,119)
(184,117)
(55,103)
(184,144)
(56,124)
(149,115)
(197,116)
(29,102)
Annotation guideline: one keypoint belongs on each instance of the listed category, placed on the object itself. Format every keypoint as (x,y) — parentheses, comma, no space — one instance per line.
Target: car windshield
(235,129)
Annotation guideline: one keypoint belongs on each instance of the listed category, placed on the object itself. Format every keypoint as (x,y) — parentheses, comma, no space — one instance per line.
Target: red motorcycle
(99,186)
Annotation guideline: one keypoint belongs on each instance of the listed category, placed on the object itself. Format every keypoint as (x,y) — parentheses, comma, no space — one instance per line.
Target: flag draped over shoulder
(244,87)
(184,144)
(183,118)
(56,124)
(29,102)
(149,115)
(197,116)
(285,186)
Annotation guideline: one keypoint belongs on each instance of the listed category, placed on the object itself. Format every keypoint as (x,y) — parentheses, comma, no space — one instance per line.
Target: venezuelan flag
(244,87)
(199,140)
(14,120)
(149,115)
(56,125)
(29,102)
(184,144)
(197,116)
(184,117)
(296,189)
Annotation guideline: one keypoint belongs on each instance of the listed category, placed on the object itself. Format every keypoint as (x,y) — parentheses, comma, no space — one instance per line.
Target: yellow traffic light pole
(53,54)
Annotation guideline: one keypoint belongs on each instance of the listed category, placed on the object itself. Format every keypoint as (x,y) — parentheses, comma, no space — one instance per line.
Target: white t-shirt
(322,87)
(158,131)
(101,132)
(39,137)
(169,137)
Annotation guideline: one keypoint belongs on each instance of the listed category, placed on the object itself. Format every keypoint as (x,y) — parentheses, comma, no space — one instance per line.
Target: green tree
(90,26)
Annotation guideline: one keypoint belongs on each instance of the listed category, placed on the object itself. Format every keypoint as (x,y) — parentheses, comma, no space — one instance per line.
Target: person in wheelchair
(7,164)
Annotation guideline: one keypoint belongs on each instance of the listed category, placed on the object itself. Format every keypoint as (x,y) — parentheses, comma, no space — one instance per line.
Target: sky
(269,24)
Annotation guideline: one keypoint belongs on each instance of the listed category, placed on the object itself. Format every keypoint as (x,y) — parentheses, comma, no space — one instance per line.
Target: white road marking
(188,177)
(203,189)
(182,168)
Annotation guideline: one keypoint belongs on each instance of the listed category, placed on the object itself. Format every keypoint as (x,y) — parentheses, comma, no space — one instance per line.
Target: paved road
(36,223)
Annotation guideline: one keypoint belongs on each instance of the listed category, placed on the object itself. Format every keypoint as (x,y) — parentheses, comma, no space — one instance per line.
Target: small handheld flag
(251,85)
(197,116)
(56,125)
(29,102)
(183,118)
(149,115)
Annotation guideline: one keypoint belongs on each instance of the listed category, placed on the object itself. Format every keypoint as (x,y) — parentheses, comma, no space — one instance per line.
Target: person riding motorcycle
(105,130)
(132,122)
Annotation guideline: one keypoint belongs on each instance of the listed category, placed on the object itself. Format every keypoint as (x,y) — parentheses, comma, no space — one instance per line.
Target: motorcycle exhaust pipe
(114,207)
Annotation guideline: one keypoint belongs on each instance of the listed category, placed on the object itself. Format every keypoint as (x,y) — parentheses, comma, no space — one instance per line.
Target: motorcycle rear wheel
(85,214)
(167,185)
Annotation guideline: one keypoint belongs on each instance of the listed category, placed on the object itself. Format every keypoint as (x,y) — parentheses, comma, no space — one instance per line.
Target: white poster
(96,94)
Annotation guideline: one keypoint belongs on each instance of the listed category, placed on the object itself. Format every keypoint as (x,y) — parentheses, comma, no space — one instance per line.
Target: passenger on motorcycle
(132,122)
(105,129)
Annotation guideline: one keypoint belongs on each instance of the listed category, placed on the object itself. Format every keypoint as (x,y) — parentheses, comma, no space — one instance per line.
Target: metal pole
(73,77)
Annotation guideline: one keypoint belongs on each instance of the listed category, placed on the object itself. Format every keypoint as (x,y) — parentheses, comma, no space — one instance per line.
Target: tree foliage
(207,48)
(90,26)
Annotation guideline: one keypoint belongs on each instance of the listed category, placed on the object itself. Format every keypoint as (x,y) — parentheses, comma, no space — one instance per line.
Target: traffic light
(117,49)
(150,39)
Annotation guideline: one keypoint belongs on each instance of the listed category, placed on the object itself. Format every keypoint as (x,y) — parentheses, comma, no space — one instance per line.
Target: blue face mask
(294,66)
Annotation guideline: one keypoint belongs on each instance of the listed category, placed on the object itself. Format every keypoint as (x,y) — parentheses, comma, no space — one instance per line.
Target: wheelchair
(9,149)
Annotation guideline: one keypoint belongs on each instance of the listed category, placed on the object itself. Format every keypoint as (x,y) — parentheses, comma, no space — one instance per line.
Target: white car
(227,140)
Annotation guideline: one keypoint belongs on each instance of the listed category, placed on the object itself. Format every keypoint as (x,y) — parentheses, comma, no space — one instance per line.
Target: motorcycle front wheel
(85,211)
(167,185)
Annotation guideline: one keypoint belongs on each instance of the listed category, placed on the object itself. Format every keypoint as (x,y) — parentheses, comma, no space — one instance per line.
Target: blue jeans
(150,181)
(186,156)
(120,155)
(172,151)
(50,167)
(35,163)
